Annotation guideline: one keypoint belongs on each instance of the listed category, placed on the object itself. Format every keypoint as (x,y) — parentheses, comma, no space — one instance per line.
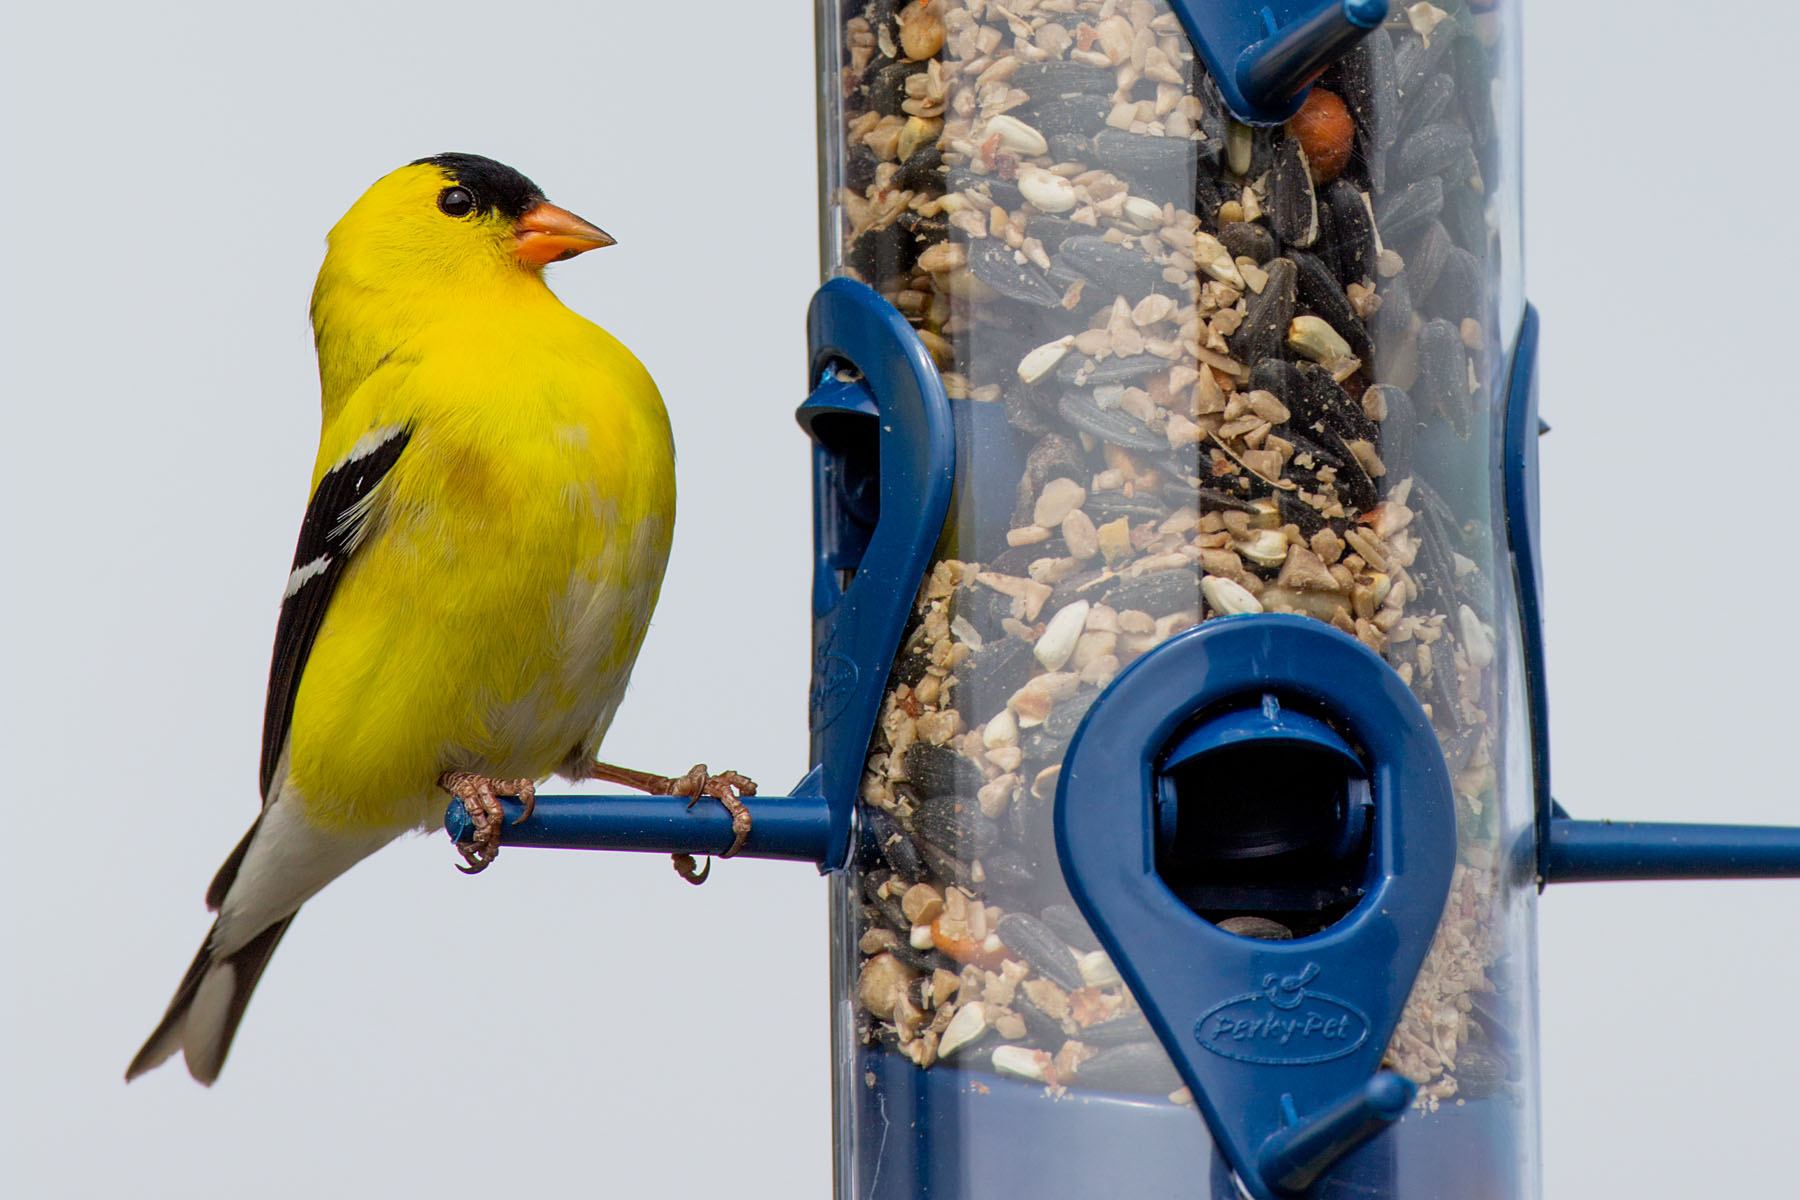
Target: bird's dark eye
(456,201)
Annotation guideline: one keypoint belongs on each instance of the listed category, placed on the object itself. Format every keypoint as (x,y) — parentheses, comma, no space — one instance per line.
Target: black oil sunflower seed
(939,770)
(1246,239)
(955,824)
(1040,949)
(1068,924)
(1426,104)
(1082,371)
(1427,259)
(1444,374)
(1458,290)
(1119,269)
(1469,62)
(887,90)
(1293,207)
(1080,113)
(1370,87)
(1055,77)
(1319,291)
(1404,211)
(1323,399)
(1133,1067)
(923,172)
(1164,167)
(1433,150)
(997,265)
(896,847)
(991,674)
(1109,425)
(1264,330)
(1118,1031)
(1159,593)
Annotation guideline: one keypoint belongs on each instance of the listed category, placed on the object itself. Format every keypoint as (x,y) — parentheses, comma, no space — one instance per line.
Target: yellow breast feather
(513,557)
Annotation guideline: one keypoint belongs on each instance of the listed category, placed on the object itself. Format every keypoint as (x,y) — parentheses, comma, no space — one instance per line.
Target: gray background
(569,1024)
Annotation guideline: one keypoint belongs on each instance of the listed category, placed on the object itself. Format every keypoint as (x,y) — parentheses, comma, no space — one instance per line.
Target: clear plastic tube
(1198,369)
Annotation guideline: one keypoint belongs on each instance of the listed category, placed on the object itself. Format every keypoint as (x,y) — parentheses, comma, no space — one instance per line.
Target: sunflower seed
(1355,228)
(938,770)
(1293,208)
(1059,78)
(1067,924)
(1416,60)
(1430,151)
(1164,167)
(1122,271)
(1040,949)
(1133,1067)
(1402,212)
(1317,288)
(1459,284)
(1269,314)
(922,172)
(1426,104)
(1115,426)
(950,823)
(1081,113)
(1477,99)
(887,91)
(1370,89)
(1427,259)
(1082,371)
(1444,373)
(1247,240)
(995,264)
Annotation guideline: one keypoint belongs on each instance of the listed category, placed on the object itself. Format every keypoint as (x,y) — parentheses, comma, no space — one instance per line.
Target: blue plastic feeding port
(1265,766)
(1263,810)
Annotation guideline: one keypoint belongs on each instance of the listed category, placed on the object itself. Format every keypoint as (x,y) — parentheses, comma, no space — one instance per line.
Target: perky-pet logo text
(1284,1023)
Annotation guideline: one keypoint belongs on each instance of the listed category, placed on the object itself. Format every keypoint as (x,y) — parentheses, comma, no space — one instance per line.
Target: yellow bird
(491,512)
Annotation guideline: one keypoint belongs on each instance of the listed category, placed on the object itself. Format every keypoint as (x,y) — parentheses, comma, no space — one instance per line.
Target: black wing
(329,536)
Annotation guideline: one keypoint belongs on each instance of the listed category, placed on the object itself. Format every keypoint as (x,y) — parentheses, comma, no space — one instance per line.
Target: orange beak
(548,234)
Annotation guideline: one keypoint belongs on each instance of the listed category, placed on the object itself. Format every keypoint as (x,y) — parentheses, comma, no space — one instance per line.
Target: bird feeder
(1178,715)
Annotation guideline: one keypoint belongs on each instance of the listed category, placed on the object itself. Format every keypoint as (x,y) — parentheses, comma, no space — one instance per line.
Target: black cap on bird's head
(544,232)
(495,186)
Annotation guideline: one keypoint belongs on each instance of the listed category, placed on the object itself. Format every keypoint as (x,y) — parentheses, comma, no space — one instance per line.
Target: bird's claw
(480,796)
(726,787)
(684,867)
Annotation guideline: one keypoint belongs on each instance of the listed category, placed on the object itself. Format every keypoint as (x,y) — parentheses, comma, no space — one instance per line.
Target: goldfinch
(491,512)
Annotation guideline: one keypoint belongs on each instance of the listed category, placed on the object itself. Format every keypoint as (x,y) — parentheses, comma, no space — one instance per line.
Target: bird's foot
(727,787)
(480,796)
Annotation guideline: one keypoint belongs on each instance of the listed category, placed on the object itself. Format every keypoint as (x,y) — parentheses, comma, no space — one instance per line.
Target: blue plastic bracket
(1264,56)
(1521,428)
(1568,850)
(1248,1021)
(884,464)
